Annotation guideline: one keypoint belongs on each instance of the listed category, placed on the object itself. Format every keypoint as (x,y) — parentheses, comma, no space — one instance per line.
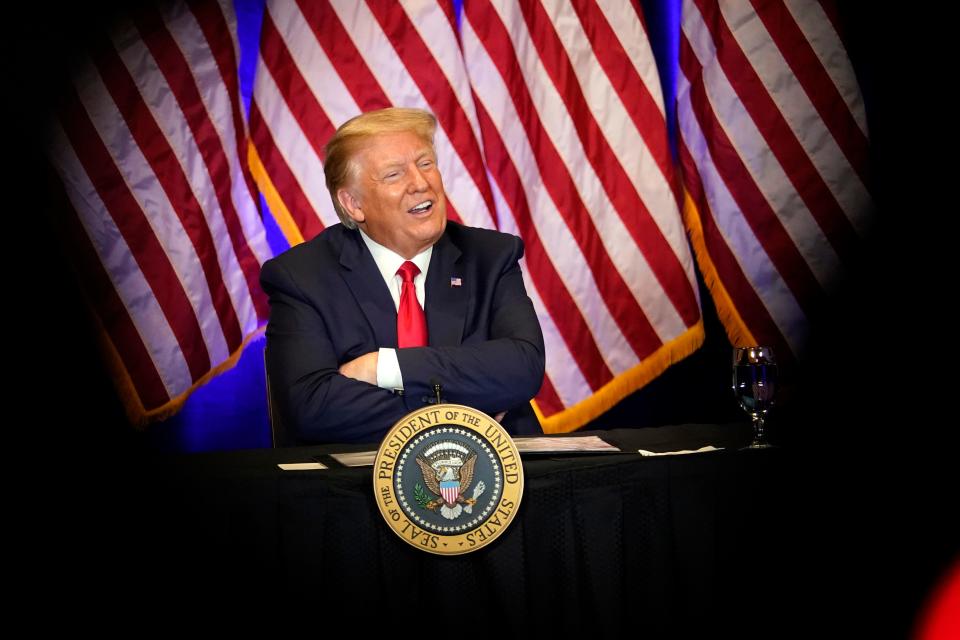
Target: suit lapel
(368,288)
(446,303)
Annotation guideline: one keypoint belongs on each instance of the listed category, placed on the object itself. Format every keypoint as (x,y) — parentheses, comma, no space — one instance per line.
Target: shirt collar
(388,260)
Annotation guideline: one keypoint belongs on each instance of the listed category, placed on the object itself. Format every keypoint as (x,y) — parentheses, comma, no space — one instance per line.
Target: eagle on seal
(449,483)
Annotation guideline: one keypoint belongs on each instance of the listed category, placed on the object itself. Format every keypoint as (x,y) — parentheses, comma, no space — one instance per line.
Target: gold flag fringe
(277,206)
(136,413)
(730,318)
(624,384)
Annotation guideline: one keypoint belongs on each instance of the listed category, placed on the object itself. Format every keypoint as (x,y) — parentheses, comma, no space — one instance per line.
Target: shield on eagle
(447,469)
(449,489)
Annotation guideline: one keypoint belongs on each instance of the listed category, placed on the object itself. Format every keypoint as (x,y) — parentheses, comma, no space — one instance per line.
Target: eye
(426,164)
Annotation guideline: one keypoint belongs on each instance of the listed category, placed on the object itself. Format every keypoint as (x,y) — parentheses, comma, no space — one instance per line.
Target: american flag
(321,63)
(160,214)
(551,126)
(774,156)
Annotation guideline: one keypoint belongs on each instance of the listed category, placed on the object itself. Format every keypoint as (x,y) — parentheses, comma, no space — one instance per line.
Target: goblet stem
(759,440)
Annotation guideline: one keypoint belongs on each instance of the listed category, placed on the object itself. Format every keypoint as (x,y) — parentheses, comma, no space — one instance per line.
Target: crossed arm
(325,396)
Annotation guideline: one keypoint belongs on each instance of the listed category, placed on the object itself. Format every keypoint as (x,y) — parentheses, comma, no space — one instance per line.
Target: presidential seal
(448,479)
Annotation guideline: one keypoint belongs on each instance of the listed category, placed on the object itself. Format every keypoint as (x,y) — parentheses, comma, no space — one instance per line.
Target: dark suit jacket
(329,304)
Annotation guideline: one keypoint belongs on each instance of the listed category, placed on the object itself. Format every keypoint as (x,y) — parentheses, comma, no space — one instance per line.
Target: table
(602,543)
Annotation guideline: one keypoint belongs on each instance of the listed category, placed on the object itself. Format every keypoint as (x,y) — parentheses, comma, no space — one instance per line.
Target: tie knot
(408,271)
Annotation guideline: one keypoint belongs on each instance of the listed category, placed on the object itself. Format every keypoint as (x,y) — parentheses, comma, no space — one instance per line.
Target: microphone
(436,390)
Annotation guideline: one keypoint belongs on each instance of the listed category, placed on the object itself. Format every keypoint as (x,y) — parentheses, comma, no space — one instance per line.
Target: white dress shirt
(388,261)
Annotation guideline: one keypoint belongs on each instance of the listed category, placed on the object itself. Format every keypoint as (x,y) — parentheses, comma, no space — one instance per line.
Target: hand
(363,368)
(499,416)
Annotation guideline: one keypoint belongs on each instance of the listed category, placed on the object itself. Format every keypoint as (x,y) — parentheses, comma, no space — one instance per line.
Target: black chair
(278,434)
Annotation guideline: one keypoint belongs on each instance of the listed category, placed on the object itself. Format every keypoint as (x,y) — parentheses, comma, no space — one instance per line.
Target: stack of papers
(583,444)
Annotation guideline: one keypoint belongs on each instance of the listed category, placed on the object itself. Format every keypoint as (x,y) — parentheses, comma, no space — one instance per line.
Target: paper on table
(356,459)
(644,452)
(301,466)
(583,444)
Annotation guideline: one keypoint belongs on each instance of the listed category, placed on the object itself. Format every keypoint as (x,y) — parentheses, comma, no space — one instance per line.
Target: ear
(351,204)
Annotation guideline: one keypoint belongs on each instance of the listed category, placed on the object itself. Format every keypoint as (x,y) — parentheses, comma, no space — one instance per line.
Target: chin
(441,227)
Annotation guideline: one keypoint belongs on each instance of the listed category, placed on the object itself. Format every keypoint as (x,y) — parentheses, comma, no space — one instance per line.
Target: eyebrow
(426,153)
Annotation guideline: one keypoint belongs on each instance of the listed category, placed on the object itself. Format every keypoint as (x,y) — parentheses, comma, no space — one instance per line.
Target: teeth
(422,206)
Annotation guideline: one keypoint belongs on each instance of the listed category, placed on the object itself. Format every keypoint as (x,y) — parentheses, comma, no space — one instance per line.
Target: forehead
(392,147)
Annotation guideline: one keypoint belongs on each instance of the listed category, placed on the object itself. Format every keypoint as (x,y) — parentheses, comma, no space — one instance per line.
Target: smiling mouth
(423,207)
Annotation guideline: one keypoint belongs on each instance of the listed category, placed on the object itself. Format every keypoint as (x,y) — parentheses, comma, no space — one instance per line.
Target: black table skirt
(602,543)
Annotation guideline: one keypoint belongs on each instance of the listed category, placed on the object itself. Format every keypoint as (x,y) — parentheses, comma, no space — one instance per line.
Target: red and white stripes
(551,126)
(541,133)
(163,219)
(773,149)
(573,127)
(324,62)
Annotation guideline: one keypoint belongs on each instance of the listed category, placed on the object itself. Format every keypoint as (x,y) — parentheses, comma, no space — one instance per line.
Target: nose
(418,181)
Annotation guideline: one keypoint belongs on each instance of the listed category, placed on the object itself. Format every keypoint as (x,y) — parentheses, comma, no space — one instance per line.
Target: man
(366,318)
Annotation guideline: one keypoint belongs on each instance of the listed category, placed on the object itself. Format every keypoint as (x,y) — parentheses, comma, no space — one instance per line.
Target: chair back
(278,434)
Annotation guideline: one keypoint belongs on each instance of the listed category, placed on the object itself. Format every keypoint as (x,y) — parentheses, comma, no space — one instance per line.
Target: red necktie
(411,323)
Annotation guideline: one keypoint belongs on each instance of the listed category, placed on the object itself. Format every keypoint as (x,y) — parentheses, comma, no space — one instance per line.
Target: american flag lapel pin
(456,282)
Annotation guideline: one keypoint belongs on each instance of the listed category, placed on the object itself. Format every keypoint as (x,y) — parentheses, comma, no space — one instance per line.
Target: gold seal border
(500,443)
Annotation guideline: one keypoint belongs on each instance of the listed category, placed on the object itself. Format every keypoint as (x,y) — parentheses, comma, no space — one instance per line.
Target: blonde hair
(340,165)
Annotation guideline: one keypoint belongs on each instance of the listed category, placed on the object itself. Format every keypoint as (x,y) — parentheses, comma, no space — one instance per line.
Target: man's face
(397,197)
